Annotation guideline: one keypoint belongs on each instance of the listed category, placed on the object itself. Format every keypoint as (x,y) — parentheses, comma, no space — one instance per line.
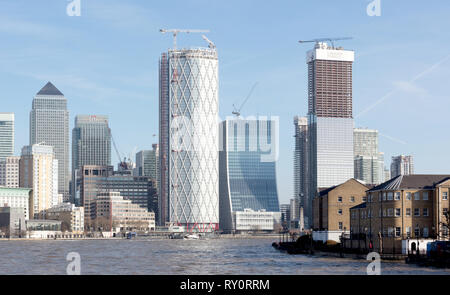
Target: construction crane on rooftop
(176,31)
(211,44)
(331,40)
(237,112)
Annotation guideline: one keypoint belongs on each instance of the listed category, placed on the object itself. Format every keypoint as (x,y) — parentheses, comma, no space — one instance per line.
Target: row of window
(391,196)
(397,212)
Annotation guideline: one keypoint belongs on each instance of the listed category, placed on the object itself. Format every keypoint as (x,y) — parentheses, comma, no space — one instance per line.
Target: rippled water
(216,256)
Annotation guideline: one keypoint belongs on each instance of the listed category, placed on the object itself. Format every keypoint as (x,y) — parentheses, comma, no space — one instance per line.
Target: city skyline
(377,71)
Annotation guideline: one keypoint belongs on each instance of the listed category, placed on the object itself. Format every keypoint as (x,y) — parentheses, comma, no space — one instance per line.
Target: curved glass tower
(189,147)
(247,179)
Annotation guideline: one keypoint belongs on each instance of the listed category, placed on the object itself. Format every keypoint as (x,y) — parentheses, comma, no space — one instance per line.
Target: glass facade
(6,135)
(246,181)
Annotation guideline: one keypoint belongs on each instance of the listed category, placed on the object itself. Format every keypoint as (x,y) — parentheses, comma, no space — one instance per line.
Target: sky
(105,61)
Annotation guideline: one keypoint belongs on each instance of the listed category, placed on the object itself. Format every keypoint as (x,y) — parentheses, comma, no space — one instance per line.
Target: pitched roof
(49,89)
(324,191)
(415,181)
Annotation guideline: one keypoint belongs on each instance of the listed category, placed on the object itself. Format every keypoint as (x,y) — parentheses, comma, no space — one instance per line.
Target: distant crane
(123,164)
(211,44)
(237,112)
(331,40)
(176,31)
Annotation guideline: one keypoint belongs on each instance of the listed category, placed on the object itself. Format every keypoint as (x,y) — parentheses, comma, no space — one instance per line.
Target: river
(191,257)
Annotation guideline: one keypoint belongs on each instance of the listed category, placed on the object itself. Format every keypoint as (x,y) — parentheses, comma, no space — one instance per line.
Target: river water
(191,257)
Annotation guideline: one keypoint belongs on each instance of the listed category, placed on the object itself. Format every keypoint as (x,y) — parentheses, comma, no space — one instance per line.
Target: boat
(131,235)
(191,237)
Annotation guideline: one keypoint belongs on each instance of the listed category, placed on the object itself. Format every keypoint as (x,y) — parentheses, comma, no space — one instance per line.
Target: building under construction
(188,131)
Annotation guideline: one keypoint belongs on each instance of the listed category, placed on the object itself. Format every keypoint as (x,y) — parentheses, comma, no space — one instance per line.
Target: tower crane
(211,44)
(123,164)
(176,31)
(237,112)
(325,39)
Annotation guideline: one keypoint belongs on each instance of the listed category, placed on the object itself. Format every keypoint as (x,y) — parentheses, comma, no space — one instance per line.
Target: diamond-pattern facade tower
(189,103)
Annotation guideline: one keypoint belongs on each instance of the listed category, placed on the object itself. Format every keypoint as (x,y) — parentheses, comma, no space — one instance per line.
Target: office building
(285,210)
(301,166)
(247,178)
(114,213)
(9,172)
(39,171)
(250,220)
(147,163)
(91,145)
(402,165)
(189,105)
(369,162)
(49,125)
(140,190)
(330,119)
(12,222)
(6,135)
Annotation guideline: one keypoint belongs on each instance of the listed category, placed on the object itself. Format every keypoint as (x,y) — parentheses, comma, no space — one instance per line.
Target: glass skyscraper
(189,105)
(247,180)
(147,163)
(369,162)
(6,135)
(49,124)
(91,145)
(330,119)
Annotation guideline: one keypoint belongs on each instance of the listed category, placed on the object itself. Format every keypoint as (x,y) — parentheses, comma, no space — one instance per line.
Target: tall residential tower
(330,118)
(189,105)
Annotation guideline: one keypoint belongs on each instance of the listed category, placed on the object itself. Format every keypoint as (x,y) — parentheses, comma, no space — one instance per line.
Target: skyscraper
(247,180)
(49,124)
(369,162)
(189,103)
(6,135)
(91,145)
(301,176)
(39,172)
(9,172)
(330,118)
(402,165)
(147,162)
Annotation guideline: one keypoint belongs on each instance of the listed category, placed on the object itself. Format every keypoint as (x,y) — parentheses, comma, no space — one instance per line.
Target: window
(340,226)
(384,212)
(425,196)
(444,195)
(425,211)
(408,196)
(352,199)
(408,231)
(340,199)
(390,231)
(444,211)
(397,196)
(390,212)
(408,211)
(416,196)
(416,212)
(390,196)
(417,232)
(364,199)
(353,214)
(384,196)
(397,231)
(425,232)
(340,211)
(397,212)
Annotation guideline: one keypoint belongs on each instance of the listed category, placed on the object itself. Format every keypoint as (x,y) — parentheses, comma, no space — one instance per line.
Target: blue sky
(106,62)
